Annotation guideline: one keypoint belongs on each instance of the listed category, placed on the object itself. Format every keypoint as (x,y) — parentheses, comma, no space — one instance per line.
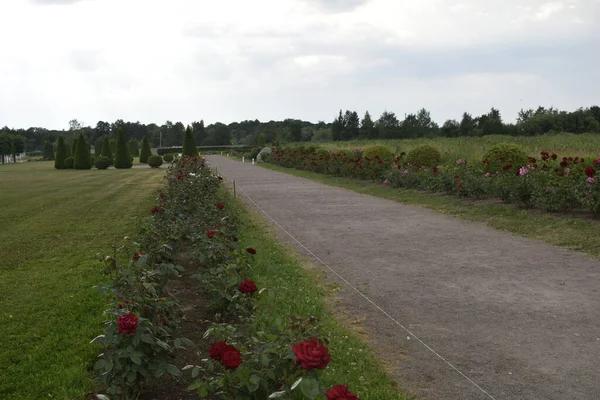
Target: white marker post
(253,161)
(242,159)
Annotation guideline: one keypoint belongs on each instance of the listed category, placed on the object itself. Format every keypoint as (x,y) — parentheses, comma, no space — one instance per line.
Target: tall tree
(351,125)
(59,161)
(98,147)
(222,135)
(189,146)
(146,151)
(102,129)
(388,125)
(48,151)
(466,124)
(122,156)
(18,146)
(367,127)
(107,151)
(82,154)
(5,145)
(198,130)
(337,127)
(134,147)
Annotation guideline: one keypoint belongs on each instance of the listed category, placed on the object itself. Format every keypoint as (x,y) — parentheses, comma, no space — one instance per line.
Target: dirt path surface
(499,316)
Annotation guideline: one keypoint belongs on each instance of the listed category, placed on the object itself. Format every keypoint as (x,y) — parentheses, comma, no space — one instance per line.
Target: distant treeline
(346,126)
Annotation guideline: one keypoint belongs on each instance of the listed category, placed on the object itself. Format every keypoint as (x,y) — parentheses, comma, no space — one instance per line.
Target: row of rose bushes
(251,356)
(549,182)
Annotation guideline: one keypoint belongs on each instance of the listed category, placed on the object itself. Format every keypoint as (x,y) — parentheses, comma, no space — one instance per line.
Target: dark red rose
(435,170)
(507,167)
(556,170)
(137,256)
(220,206)
(247,286)
(250,250)
(459,185)
(564,163)
(156,210)
(340,392)
(532,160)
(210,234)
(231,359)
(554,156)
(590,171)
(180,175)
(127,323)
(311,354)
(456,177)
(218,349)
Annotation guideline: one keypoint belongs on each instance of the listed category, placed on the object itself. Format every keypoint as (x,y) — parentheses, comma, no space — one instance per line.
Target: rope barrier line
(366,297)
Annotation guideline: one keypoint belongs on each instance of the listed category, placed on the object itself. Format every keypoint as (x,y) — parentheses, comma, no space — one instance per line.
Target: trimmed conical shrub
(189,146)
(146,151)
(59,160)
(122,158)
(74,148)
(106,151)
(82,154)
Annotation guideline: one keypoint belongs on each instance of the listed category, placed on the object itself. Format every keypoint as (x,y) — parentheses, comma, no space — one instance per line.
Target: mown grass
(52,224)
(473,148)
(571,233)
(303,293)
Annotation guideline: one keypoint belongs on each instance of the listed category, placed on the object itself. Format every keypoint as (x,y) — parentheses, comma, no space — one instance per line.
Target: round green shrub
(69,162)
(102,162)
(254,152)
(155,161)
(424,155)
(503,154)
(345,153)
(169,157)
(381,152)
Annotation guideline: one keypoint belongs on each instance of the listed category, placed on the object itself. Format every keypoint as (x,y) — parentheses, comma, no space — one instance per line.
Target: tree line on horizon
(345,126)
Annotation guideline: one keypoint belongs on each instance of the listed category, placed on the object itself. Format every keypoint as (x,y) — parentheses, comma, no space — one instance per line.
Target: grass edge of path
(570,233)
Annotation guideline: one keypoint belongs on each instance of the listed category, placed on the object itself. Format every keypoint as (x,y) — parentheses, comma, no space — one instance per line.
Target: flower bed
(551,183)
(253,355)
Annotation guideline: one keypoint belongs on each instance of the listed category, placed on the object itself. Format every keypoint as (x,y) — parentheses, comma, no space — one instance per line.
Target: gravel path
(512,318)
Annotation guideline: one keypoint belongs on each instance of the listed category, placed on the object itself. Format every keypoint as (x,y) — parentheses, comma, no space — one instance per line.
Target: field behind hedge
(472,148)
(52,225)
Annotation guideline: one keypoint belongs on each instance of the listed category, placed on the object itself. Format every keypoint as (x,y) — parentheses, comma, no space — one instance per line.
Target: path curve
(518,317)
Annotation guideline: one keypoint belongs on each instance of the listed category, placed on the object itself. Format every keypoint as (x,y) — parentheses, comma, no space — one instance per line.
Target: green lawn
(570,233)
(52,225)
(473,148)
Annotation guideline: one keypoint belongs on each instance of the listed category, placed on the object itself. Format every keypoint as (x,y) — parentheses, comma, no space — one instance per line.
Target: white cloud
(152,60)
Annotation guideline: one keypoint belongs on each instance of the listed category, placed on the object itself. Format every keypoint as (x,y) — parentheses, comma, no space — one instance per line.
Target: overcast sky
(230,60)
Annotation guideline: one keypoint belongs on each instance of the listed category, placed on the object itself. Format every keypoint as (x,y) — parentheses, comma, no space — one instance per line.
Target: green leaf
(254,383)
(135,357)
(195,372)
(100,364)
(147,338)
(173,370)
(295,385)
(98,339)
(277,395)
(310,387)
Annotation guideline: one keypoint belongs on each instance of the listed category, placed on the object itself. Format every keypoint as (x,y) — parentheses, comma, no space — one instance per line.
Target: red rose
(156,210)
(459,185)
(210,234)
(340,392)
(137,256)
(127,323)
(456,176)
(564,163)
(554,156)
(218,349)
(590,171)
(250,250)
(311,354)
(532,160)
(247,286)
(220,206)
(507,167)
(231,359)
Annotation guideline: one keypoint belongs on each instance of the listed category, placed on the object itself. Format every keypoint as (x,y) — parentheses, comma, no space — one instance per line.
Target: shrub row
(549,182)
(251,355)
